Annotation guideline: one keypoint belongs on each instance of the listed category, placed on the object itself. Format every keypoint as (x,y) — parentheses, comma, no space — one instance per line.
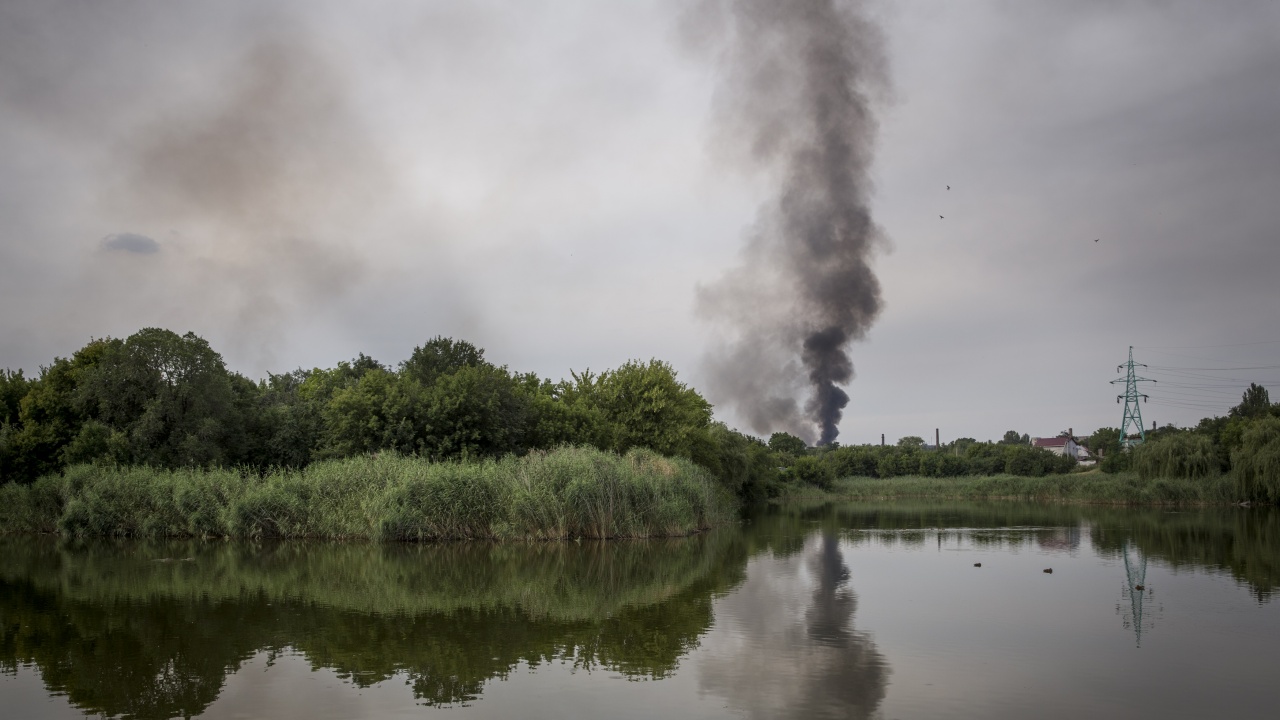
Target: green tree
(1103,441)
(167,399)
(1255,402)
(1011,437)
(787,443)
(743,464)
(811,470)
(648,406)
(283,427)
(13,387)
(1181,455)
(1256,462)
(441,356)
(476,411)
(911,442)
(49,416)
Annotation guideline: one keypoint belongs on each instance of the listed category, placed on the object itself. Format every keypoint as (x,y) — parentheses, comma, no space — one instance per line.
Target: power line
(1205,347)
(1214,369)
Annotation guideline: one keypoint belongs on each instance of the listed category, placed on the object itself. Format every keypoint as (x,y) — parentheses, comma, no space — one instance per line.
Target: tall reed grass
(560,494)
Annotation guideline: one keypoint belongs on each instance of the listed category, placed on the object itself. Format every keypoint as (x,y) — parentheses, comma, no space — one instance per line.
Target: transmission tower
(1132,412)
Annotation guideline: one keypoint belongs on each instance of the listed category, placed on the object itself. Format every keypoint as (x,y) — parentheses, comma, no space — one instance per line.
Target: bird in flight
(948,187)
(941,216)
(1096,239)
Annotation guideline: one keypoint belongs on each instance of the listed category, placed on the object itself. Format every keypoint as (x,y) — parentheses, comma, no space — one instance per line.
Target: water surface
(844,611)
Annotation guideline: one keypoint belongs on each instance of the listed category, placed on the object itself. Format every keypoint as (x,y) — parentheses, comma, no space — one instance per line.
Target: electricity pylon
(1132,412)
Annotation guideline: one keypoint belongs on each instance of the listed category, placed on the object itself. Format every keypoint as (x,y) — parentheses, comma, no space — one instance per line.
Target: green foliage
(744,465)
(1119,461)
(811,470)
(1011,437)
(911,442)
(1120,488)
(1182,455)
(170,398)
(441,356)
(1103,442)
(1255,403)
(854,461)
(13,387)
(647,406)
(564,493)
(1256,463)
(787,443)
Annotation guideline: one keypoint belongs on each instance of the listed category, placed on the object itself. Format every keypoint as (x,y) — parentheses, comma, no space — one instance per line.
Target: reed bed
(1093,487)
(560,494)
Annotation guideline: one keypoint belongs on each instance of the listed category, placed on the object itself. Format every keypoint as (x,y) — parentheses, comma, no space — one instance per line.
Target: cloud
(131,243)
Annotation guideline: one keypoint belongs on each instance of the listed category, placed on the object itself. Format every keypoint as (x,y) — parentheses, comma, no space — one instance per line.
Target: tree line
(1245,443)
(821,466)
(166,400)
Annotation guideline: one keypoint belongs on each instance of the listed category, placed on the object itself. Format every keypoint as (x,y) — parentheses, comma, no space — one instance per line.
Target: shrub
(1256,464)
(812,471)
(1184,455)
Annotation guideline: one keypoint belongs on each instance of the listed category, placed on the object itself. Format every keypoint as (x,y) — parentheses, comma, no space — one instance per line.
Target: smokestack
(881,439)
(937,439)
(796,96)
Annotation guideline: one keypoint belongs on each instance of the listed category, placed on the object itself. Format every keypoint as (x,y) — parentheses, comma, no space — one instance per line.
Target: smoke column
(795,102)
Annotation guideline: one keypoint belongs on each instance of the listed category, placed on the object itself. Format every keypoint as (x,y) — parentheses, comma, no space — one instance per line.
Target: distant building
(1060,446)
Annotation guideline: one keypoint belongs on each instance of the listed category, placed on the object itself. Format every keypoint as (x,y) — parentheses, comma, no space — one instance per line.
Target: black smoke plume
(796,101)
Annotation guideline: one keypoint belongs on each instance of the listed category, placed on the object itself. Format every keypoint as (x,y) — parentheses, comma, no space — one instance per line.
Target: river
(869,610)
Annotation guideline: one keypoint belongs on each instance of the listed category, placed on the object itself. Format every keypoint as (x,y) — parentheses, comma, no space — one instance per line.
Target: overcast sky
(301,182)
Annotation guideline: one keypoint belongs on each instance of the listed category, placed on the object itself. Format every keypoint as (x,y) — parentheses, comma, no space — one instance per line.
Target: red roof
(1050,442)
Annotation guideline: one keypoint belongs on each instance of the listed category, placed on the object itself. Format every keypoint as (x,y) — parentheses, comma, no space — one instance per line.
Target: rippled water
(846,611)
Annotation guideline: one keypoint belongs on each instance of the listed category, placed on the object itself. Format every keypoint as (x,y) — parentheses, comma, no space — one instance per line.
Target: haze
(300,182)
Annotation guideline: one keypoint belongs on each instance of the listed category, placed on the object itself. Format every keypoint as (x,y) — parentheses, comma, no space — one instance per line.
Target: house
(1060,446)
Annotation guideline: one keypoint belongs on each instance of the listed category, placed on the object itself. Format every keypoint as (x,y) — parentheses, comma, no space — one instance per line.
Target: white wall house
(1061,446)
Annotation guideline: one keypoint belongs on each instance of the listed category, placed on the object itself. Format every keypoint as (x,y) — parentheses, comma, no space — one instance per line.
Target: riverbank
(1088,487)
(565,493)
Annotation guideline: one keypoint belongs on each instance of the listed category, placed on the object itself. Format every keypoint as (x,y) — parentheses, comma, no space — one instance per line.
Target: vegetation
(1094,487)
(160,400)
(152,435)
(564,493)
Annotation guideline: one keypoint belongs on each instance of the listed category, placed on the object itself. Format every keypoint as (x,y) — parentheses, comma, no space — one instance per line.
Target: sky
(299,182)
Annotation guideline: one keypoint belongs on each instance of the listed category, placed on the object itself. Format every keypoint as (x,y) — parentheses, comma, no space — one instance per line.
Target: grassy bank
(560,494)
(1090,487)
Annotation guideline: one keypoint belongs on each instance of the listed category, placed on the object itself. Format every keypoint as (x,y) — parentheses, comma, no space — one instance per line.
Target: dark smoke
(796,103)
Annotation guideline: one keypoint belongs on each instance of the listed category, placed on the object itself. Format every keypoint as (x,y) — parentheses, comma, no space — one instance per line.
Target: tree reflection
(122,634)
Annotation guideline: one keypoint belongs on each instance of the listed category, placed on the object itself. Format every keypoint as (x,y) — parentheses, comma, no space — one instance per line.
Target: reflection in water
(122,633)
(793,653)
(1136,592)
(136,630)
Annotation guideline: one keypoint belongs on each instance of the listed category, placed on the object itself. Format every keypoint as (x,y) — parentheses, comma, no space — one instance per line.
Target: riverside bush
(1184,455)
(563,493)
(1256,463)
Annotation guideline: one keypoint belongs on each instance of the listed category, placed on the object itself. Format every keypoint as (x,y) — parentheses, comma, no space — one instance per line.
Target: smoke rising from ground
(795,101)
